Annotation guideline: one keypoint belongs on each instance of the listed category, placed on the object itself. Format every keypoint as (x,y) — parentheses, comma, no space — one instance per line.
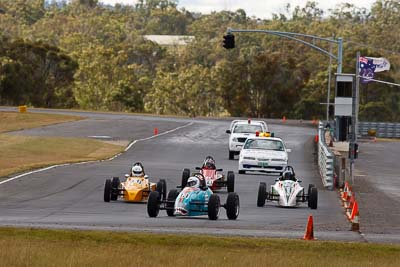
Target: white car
(288,192)
(263,154)
(239,131)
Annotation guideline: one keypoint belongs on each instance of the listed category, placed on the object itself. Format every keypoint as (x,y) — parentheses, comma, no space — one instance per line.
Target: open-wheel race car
(195,199)
(288,192)
(213,176)
(136,187)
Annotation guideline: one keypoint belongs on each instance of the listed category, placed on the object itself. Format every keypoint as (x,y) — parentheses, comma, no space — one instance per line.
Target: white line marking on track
(109,159)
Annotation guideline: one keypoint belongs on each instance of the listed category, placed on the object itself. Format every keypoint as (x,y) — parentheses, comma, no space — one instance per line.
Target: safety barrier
(383,129)
(325,159)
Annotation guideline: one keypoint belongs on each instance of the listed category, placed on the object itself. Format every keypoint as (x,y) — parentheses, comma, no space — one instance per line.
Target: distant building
(170,40)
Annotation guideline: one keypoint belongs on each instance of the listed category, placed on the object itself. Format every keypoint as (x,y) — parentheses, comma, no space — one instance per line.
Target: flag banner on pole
(381,63)
(367,69)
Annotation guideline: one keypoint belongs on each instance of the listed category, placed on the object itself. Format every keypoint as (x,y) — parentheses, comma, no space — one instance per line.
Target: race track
(72,196)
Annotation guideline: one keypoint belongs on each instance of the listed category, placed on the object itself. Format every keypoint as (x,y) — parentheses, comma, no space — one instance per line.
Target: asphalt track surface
(72,196)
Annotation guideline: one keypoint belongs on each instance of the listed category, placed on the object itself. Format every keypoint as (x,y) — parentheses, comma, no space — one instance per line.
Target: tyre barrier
(350,206)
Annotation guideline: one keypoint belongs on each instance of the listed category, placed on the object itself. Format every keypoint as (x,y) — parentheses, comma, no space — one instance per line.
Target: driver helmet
(137,171)
(287,175)
(193,182)
(209,163)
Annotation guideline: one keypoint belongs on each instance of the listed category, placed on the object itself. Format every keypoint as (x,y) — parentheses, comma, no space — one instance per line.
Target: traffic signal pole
(295,37)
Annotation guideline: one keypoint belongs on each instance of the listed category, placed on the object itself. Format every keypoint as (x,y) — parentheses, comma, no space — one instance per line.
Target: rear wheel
(213,207)
(230,183)
(170,205)
(162,188)
(231,155)
(313,198)
(153,204)
(232,206)
(185,177)
(115,182)
(262,193)
(107,191)
(242,171)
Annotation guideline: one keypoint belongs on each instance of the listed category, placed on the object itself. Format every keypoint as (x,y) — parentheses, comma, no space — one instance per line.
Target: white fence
(325,159)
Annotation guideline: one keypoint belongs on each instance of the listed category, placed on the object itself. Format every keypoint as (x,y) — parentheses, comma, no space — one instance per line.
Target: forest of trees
(83,54)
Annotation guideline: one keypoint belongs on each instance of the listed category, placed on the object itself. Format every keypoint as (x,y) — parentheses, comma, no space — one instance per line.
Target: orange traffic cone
(284,119)
(309,234)
(355,224)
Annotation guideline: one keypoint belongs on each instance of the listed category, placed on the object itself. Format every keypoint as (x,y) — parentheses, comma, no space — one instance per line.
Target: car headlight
(235,139)
(249,158)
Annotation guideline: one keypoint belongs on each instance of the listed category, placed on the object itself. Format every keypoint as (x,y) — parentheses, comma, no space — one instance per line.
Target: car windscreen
(264,144)
(247,128)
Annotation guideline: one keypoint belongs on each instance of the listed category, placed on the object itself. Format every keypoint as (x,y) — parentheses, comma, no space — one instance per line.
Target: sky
(259,8)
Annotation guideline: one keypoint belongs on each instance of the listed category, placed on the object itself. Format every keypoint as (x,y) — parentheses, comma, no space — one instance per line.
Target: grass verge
(33,247)
(13,121)
(22,153)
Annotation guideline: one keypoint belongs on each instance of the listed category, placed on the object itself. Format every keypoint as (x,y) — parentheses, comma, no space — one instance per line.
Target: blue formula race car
(194,200)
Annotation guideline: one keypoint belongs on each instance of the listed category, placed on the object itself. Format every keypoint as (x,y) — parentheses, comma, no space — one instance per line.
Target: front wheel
(232,206)
(231,155)
(171,201)
(115,182)
(313,198)
(153,204)
(309,192)
(230,183)
(213,207)
(107,191)
(262,192)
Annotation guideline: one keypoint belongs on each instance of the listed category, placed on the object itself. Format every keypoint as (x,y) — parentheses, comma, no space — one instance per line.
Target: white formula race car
(288,192)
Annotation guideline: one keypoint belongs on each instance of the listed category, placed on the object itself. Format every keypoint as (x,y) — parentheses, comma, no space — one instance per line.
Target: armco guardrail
(383,129)
(325,159)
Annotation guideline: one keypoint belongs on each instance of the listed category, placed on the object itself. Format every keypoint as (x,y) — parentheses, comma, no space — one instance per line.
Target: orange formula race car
(136,187)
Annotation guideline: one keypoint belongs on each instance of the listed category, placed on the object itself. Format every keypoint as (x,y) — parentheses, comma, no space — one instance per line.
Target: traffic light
(229,41)
(355,150)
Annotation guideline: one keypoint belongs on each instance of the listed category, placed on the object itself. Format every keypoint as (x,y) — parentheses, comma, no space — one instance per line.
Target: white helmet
(137,170)
(193,182)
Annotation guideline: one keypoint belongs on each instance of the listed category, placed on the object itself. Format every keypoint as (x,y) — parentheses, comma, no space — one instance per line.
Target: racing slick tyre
(161,188)
(185,177)
(231,155)
(232,206)
(230,183)
(171,201)
(313,198)
(309,192)
(262,194)
(242,171)
(107,191)
(114,188)
(153,204)
(213,207)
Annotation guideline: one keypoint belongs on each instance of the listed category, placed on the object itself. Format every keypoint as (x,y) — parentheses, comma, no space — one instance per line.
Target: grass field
(12,121)
(28,247)
(22,153)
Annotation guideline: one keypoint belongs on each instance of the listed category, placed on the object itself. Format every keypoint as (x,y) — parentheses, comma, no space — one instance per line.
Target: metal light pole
(354,118)
(329,84)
